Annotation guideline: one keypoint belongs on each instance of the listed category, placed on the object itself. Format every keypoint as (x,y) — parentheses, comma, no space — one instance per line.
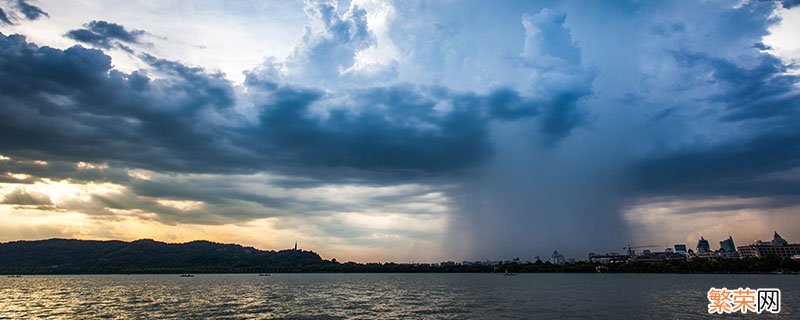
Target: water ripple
(370,296)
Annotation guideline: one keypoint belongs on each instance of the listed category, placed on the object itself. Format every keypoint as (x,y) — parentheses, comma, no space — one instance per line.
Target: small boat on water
(186,275)
(13,276)
(601,269)
(263,274)
(509,273)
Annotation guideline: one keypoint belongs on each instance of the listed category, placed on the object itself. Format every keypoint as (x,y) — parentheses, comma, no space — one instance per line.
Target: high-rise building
(702,245)
(778,241)
(778,247)
(727,248)
(727,245)
(557,258)
(680,248)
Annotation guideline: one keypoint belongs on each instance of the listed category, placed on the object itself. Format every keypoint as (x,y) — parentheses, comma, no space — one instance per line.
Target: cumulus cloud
(328,50)
(548,42)
(76,98)
(553,61)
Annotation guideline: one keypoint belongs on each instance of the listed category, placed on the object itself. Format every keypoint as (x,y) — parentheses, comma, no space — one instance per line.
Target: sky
(407,131)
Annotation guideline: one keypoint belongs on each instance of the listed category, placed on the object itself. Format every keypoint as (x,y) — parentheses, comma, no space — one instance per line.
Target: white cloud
(338,49)
(782,37)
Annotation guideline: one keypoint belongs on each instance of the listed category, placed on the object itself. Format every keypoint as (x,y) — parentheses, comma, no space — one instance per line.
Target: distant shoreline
(81,257)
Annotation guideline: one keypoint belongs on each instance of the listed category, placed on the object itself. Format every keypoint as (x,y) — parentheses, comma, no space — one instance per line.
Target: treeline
(771,264)
(62,256)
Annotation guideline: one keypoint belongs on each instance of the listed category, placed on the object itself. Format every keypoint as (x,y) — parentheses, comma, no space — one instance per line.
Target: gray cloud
(765,91)
(788,4)
(4,17)
(31,12)
(105,34)
(26,198)
(758,166)
(226,198)
(11,15)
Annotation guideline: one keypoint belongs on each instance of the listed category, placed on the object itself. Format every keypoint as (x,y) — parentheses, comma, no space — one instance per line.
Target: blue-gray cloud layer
(72,105)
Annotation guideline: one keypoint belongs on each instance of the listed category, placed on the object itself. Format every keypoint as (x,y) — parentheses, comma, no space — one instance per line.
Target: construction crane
(630,248)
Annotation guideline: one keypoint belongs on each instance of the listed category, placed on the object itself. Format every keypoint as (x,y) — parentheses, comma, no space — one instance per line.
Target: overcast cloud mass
(375,130)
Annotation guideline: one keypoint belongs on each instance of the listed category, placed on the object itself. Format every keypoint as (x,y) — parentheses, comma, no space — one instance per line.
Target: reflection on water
(369,296)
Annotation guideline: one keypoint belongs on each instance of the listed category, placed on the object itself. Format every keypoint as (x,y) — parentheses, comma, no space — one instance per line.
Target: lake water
(370,296)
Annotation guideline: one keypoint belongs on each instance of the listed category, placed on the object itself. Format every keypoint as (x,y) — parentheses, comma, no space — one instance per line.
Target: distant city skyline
(380,130)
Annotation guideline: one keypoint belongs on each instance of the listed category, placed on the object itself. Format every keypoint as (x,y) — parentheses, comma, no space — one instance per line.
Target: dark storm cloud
(558,114)
(761,157)
(66,105)
(399,131)
(765,101)
(760,166)
(765,91)
(578,196)
(105,34)
(71,105)
(30,11)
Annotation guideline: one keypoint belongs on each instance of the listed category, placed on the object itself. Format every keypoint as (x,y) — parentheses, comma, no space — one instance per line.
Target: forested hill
(146,256)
